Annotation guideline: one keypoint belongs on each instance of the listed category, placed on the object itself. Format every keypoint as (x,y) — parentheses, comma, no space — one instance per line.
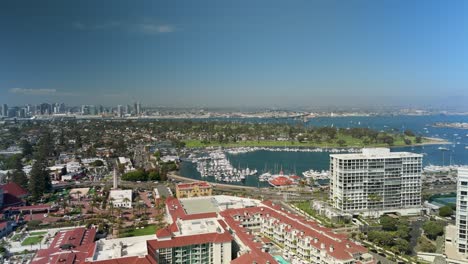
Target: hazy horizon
(242,54)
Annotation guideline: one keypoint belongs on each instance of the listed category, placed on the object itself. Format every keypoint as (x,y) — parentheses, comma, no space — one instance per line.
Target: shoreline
(286,144)
(433,141)
(176,176)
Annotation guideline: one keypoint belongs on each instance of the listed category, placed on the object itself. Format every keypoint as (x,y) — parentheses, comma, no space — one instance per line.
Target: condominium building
(202,241)
(461,212)
(376,181)
(303,240)
(194,189)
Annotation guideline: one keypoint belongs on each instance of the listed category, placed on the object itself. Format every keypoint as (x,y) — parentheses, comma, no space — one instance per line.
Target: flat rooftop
(375,153)
(120,195)
(199,206)
(215,204)
(162,190)
(121,247)
(198,226)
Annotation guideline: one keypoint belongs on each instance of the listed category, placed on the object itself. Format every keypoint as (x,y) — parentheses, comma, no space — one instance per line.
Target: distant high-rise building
(92,110)
(21,113)
(62,108)
(376,181)
(119,111)
(11,112)
(128,110)
(46,109)
(84,110)
(135,107)
(5,110)
(30,109)
(138,108)
(461,212)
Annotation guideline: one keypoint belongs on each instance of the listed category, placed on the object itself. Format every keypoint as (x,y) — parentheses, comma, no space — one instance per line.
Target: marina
(236,165)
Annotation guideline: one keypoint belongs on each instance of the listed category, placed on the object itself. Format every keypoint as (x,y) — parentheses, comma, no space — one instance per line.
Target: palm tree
(64,205)
(111,205)
(78,193)
(126,200)
(92,204)
(139,207)
(119,213)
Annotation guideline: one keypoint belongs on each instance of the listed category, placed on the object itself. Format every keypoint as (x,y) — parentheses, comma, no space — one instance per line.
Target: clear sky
(234,53)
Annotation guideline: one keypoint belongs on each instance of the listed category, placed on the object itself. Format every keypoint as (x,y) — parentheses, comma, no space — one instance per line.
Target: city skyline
(243,54)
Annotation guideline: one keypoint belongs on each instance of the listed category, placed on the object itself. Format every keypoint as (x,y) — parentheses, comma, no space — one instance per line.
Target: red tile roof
(190,240)
(201,184)
(127,260)
(3,225)
(30,207)
(80,239)
(343,249)
(256,253)
(14,189)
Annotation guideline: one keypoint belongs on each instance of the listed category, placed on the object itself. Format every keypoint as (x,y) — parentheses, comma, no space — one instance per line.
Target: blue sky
(234,53)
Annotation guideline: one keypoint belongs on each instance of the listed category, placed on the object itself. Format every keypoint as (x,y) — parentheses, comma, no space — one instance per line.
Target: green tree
(97,163)
(39,182)
(27,148)
(433,229)
(154,176)
(418,139)
(381,237)
(388,223)
(341,142)
(20,178)
(445,211)
(401,246)
(409,133)
(45,147)
(13,162)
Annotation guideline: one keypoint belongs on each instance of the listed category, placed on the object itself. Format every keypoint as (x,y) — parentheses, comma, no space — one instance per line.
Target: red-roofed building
(70,247)
(202,240)
(193,189)
(310,241)
(11,194)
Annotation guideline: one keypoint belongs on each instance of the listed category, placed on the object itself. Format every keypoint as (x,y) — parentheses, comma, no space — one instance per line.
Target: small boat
(442,148)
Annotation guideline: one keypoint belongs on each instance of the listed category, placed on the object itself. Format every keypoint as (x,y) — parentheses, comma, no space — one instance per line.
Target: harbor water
(298,162)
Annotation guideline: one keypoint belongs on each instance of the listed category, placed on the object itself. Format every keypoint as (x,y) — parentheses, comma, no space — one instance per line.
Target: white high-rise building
(461,213)
(376,181)
(120,111)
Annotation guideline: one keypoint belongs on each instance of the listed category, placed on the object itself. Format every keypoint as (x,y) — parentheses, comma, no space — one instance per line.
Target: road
(220,186)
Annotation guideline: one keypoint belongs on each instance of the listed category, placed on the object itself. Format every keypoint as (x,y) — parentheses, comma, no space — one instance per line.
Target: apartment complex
(192,241)
(218,230)
(304,240)
(376,181)
(461,213)
(194,189)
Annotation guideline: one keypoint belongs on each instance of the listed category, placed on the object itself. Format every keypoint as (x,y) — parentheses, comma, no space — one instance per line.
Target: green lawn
(349,142)
(148,230)
(305,206)
(32,240)
(16,237)
(38,233)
